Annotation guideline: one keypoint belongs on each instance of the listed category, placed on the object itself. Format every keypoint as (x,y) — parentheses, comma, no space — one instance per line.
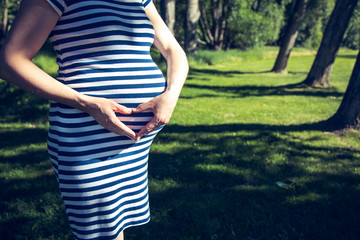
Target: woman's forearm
(25,74)
(177,65)
(32,26)
(177,70)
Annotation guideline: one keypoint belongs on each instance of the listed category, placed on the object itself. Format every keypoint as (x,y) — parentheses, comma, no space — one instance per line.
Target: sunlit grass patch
(308,197)
(163,185)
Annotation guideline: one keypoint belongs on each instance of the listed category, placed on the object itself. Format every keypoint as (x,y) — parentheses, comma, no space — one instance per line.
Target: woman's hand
(34,22)
(177,68)
(162,106)
(104,112)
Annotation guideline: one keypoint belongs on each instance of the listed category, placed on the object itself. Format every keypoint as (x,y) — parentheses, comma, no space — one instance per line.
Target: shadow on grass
(216,182)
(201,74)
(196,71)
(234,127)
(32,209)
(219,185)
(246,91)
(18,137)
(30,203)
(349,56)
(17,105)
(297,89)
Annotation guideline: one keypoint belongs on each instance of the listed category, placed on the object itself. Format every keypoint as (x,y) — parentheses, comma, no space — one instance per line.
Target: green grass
(242,158)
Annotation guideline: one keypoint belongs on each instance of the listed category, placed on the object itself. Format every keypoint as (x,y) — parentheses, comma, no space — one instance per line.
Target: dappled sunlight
(308,197)
(220,168)
(157,186)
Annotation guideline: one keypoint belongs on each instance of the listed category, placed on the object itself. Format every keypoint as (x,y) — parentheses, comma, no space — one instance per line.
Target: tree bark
(330,44)
(292,31)
(348,114)
(168,14)
(192,20)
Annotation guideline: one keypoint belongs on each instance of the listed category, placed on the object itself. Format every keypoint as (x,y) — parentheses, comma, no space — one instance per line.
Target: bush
(255,28)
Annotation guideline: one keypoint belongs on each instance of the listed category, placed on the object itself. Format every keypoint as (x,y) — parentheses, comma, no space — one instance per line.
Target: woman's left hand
(162,106)
(177,68)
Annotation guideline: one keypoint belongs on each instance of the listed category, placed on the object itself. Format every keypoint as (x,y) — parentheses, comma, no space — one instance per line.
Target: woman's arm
(34,22)
(177,69)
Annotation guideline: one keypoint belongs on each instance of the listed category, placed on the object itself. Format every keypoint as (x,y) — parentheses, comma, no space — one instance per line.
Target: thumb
(141,108)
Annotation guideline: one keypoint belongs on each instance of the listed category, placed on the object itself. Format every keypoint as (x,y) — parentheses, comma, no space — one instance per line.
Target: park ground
(243,157)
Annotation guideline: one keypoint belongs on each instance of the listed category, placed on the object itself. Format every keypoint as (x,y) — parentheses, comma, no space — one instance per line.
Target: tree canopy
(243,24)
(237,24)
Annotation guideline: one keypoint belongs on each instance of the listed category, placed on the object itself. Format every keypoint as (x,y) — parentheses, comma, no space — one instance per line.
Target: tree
(330,44)
(313,25)
(213,23)
(8,10)
(291,34)
(192,20)
(5,21)
(168,14)
(348,114)
(352,34)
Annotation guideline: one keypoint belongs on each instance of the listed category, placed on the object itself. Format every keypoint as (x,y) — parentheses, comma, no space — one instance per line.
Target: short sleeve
(145,3)
(58,5)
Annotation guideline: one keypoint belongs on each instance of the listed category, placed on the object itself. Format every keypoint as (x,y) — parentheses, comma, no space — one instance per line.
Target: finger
(116,126)
(121,109)
(125,130)
(149,127)
(142,107)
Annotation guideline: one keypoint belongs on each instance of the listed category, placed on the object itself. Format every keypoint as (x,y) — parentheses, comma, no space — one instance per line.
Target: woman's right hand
(32,26)
(104,112)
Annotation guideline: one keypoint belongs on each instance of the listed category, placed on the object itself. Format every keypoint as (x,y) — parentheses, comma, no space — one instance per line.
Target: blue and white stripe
(103,49)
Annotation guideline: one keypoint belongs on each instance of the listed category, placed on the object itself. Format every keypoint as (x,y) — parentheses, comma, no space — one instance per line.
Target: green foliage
(12,7)
(352,35)
(249,28)
(315,21)
(242,158)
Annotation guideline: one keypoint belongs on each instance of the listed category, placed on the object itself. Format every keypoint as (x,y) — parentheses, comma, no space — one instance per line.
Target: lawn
(243,157)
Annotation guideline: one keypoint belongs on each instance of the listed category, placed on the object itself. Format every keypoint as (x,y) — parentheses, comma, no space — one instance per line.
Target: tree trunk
(348,114)
(192,20)
(214,25)
(330,44)
(208,37)
(168,14)
(4,23)
(291,34)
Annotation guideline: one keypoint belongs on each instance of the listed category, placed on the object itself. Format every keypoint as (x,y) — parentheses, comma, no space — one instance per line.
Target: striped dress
(103,49)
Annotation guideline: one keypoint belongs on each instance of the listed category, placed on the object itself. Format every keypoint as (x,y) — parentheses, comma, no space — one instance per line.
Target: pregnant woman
(107,105)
